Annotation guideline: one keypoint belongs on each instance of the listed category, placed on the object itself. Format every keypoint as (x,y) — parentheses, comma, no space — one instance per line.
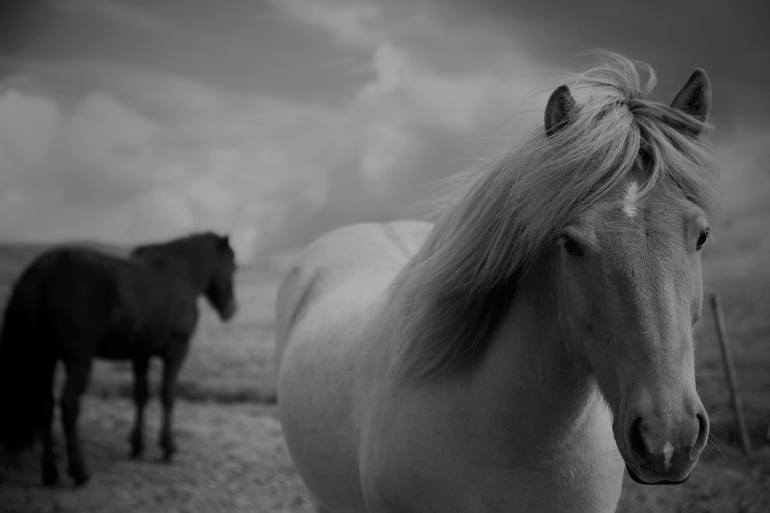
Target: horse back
(84,301)
(72,280)
(326,324)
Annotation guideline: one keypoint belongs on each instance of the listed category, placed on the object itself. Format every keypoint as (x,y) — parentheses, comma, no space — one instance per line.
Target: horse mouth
(637,479)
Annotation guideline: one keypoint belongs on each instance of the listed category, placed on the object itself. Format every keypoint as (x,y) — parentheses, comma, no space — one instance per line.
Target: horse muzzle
(228,312)
(664,450)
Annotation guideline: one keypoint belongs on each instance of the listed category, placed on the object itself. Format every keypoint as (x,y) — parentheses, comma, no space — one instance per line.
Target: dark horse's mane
(162,254)
(175,246)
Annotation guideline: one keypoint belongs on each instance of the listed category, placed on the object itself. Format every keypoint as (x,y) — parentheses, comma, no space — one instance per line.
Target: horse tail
(27,367)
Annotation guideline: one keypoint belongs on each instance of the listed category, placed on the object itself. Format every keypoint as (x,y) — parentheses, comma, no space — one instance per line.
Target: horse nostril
(635,439)
(703,432)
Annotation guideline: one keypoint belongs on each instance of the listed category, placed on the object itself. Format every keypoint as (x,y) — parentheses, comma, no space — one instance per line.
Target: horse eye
(572,247)
(702,240)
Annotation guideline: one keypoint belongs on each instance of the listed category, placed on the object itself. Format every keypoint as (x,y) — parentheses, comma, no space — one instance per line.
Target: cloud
(65,171)
(744,174)
(129,121)
(28,127)
(104,151)
(106,161)
(115,12)
(349,23)
(674,37)
(459,103)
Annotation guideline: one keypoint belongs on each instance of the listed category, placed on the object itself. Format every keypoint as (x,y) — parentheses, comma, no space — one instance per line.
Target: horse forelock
(506,215)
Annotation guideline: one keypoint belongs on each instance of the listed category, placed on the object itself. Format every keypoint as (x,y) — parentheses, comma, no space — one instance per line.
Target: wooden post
(727,359)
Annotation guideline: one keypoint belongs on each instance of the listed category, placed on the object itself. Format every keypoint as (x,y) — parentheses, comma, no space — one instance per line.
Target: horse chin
(637,479)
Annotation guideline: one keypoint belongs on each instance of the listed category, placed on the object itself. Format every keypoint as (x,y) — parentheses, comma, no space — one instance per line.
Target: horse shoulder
(173,306)
(155,306)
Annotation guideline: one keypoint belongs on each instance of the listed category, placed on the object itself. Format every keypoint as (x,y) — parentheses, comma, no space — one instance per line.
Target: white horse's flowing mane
(507,214)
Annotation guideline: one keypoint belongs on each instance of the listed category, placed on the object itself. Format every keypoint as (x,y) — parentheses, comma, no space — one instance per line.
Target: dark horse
(74,304)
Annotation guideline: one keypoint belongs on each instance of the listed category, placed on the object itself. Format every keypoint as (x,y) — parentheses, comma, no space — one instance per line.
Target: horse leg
(171,365)
(77,379)
(48,458)
(141,393)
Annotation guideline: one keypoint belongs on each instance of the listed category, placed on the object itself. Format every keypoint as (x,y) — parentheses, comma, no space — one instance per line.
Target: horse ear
(561,106)
(694,98)
(224,241)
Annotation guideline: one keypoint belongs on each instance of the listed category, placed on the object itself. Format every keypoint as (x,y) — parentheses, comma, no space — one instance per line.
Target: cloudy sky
(134,120)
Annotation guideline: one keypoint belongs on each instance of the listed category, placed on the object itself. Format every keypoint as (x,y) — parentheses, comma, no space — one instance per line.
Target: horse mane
(505,216)
(175,247)
(197,252)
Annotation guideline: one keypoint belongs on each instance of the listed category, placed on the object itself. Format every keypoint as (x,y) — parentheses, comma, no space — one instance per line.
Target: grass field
(232,457)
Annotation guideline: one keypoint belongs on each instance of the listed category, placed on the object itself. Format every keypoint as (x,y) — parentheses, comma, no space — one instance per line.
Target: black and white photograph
(384,256)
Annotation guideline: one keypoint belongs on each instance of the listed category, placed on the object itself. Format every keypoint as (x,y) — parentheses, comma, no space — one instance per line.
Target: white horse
(515,355)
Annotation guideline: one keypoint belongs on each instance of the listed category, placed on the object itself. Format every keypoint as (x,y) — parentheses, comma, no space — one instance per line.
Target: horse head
(220,290)
(629,269)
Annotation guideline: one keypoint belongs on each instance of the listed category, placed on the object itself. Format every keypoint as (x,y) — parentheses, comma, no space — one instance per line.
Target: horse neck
(189,266)
(533,374)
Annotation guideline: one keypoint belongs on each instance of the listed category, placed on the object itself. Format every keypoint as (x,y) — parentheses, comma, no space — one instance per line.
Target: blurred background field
(233,458)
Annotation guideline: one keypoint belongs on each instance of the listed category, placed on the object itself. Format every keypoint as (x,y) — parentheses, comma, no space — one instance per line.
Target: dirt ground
(232,457)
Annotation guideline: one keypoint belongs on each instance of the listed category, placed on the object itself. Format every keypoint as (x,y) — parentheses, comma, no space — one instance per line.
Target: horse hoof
(80,480)
(50,479)
(80,477)
(169,449)
(137,444)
